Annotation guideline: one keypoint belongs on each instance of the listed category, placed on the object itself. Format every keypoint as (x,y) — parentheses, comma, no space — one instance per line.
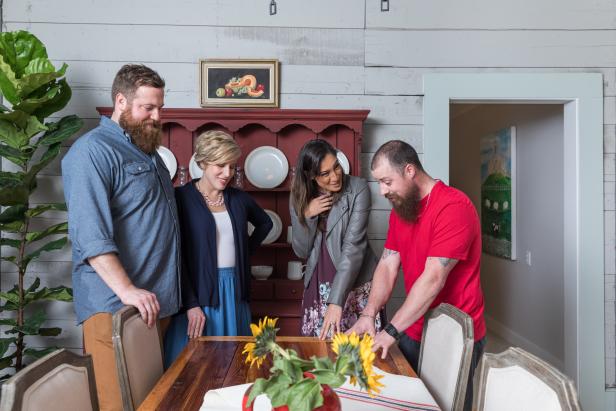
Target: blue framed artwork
(498,193)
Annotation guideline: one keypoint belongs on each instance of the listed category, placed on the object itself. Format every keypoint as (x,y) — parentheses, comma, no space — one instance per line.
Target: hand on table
(383,341)
(363,325)
(196,322)
(331,321)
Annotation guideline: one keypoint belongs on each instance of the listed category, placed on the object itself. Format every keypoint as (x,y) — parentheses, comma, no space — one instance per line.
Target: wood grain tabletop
(215,362)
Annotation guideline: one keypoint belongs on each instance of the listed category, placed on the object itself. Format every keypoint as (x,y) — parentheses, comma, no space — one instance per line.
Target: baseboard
(518,341)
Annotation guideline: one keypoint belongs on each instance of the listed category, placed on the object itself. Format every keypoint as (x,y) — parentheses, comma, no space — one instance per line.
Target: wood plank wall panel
(340,54)
(493,15)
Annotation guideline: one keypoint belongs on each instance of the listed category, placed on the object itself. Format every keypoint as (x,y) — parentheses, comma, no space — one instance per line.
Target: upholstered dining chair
(58,381)
(517,380)
(445,355)
(139,356)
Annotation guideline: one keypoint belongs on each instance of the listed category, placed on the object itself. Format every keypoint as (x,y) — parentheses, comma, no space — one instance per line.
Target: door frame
(581,95)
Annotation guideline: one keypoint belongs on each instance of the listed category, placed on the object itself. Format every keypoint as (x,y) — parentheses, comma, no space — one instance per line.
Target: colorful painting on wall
(239,83)
(498,193)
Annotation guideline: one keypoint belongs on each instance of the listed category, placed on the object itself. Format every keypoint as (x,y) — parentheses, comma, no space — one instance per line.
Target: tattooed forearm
(387,252)
(444,260)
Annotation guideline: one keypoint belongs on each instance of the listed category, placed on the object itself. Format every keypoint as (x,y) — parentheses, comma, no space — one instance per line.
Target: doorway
(581,96)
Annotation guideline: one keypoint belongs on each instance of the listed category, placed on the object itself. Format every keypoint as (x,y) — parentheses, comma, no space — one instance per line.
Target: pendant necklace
(219,202)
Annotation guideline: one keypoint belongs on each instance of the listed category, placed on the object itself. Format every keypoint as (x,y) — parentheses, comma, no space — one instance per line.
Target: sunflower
(359,356)
(265,336)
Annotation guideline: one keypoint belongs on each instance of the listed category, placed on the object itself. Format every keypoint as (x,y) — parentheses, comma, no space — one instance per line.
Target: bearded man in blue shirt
(123,221)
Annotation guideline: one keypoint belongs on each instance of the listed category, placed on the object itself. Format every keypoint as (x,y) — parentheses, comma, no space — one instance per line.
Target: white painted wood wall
(341,54)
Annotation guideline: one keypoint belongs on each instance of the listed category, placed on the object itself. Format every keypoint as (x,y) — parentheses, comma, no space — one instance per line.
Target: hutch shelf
(287,130)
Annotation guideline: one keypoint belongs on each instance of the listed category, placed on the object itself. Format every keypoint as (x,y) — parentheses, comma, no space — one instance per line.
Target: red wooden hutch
(287,130)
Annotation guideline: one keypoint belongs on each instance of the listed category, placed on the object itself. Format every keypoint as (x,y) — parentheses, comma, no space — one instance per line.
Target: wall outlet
(528,258)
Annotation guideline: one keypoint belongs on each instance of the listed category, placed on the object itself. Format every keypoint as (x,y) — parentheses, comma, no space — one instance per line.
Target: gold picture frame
(239,83)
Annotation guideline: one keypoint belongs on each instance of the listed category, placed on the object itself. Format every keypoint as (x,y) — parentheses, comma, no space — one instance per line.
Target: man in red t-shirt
(434,233)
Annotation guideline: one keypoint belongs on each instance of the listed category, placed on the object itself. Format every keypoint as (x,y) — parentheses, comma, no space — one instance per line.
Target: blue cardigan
(198,234)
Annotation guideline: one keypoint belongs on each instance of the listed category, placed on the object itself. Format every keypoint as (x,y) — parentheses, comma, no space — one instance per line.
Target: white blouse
(225,244)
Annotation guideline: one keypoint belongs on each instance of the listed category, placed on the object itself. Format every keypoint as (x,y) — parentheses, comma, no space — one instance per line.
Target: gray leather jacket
(346,240)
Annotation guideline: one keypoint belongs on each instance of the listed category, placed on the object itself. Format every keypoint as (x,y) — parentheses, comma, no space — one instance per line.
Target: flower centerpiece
(298,384)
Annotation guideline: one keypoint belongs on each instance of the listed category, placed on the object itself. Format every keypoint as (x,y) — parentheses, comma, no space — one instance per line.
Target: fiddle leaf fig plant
(32,89)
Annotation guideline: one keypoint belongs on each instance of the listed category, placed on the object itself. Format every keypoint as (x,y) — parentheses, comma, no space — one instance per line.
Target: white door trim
(582,96)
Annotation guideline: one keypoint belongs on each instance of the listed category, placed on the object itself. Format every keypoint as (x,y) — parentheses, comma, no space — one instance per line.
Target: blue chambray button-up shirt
(120,200)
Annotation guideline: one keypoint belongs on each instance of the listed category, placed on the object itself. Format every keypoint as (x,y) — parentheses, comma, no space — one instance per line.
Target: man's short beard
(145,134)
(406,205)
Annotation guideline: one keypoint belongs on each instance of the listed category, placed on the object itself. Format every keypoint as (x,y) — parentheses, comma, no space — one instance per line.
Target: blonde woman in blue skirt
(216,247)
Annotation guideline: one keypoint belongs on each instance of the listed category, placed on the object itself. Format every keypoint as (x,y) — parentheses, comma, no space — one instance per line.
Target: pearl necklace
(219,202)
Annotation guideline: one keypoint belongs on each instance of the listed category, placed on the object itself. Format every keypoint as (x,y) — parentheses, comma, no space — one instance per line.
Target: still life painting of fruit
(240,86)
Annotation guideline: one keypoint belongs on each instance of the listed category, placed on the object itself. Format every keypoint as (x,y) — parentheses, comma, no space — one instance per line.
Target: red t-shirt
(447,226)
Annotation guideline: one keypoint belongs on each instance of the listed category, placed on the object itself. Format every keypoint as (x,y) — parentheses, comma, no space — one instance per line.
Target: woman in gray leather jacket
(329,214)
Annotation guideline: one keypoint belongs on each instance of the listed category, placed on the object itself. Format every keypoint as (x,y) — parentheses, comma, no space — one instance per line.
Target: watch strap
(391,330)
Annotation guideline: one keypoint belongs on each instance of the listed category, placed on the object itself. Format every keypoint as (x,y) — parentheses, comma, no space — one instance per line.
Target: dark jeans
(410,349)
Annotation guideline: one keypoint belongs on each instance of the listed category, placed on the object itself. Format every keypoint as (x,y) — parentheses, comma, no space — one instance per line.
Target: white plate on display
(266,167)
(169,159)
(193,168)
(344,162)
(274,232)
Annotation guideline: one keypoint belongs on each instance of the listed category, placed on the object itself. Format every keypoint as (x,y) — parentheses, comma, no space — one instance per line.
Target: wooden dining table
(214,362)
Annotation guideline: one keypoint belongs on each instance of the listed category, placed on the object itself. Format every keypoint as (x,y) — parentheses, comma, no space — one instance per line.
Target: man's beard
(406,205)
(145,134)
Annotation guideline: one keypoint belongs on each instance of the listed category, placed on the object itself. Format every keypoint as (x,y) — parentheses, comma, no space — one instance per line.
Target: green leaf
(51,153)
(49,332)
(6,362)
(9,306)
(12,214)
(5,343)
(42,208)
(305,395)
(61,228)
(20,48)
(35,80)
(50,246)
(56,103)
(258,388)
(59,293)
(10,242)
(18,127)
(62,130)
(13,190)
(8,321)
(322,363)
(31,352)
(278,390)
(35,284)
(329,377)
(12,295)
(11,259)
(31,325)
(14,155)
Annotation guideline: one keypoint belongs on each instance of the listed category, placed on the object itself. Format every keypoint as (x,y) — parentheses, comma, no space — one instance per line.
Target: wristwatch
(391,330)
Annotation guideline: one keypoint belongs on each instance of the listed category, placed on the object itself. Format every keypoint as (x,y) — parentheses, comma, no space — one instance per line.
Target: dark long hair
(304,187)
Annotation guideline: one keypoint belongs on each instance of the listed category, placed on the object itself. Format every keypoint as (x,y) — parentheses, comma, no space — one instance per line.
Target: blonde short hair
(216,147)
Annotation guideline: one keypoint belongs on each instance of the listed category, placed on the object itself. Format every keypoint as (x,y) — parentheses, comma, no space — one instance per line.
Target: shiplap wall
(340,54)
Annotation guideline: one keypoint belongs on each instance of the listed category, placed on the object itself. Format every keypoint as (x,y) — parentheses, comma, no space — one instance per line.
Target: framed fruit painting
(239,83)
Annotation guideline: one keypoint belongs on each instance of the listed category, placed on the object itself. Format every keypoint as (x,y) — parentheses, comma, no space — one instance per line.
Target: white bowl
(261,272)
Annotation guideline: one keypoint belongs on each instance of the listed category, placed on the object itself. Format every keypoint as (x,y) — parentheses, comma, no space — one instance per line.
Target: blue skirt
(231,317)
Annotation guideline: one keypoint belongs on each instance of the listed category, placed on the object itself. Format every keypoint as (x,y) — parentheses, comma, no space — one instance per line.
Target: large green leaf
(51,153)
(59,293)
(35,80)
(18,127)
(26,47)
(9,242)
(57,103)
(50,246)
(35,284)
(42,208)
(31,324)
(61,228)
(8,321)
(14,155)
(62,130)
(5,343)
(8,81)
(31,352)
(13,214)
(12,295)
(305,395)
(13,190)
